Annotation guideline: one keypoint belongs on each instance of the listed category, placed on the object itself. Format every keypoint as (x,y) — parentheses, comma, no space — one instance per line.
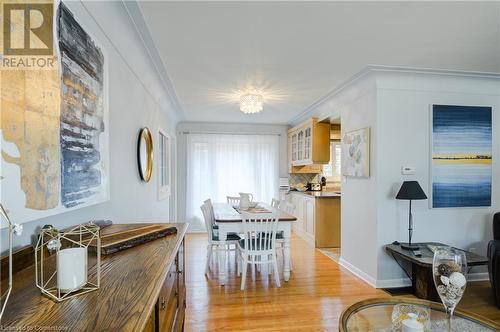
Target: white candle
(71,269)
(412,324)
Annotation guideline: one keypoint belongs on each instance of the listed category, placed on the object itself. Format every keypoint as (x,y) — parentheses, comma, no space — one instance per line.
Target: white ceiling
(296,52)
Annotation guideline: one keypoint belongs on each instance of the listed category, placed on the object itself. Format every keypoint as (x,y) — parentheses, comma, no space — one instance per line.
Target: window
(220,165)
(331,171)
(163,165)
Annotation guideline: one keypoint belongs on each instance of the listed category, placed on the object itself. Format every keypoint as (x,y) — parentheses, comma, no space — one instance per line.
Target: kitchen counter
(318,217)
(318,194)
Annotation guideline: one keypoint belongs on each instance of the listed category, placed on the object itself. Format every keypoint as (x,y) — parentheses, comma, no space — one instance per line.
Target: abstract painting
(82,112)
(54,129)
(356,156)
(461,156)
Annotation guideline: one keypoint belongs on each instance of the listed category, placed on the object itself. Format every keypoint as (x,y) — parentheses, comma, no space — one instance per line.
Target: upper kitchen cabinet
(308,144)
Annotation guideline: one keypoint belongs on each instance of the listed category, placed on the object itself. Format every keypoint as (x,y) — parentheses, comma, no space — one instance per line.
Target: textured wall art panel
(54,130)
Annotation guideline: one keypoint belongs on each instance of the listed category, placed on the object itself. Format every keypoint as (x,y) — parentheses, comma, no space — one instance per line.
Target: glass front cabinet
(309,144)
(294,146)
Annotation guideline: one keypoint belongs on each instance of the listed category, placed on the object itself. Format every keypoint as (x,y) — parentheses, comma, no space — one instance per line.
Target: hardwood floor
(317,293)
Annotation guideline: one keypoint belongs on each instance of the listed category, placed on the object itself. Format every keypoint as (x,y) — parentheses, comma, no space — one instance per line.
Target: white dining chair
(214,243)
(258,246)
(233,200)
(275,203)
(288,208)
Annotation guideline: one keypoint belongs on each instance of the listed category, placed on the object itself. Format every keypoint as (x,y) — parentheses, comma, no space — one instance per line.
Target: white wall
(183,128)
(395,104)
(358,203)
(403,105)
(136,99)
(356,104)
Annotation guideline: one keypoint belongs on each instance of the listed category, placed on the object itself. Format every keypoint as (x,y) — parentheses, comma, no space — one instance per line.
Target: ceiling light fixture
(251,103)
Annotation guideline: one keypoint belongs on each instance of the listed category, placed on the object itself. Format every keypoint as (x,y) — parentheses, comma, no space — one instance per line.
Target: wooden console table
(419,269)
(142,289)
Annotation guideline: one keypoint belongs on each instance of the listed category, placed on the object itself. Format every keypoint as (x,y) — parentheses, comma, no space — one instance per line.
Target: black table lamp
(410,190)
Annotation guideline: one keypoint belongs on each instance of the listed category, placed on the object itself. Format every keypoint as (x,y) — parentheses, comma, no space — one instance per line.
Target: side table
(419,269)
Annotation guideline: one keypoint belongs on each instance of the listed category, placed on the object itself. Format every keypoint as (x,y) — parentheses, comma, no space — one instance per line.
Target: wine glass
(449,268)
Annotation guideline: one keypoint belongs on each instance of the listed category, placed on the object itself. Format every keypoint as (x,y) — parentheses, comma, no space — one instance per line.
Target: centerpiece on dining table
(248,205)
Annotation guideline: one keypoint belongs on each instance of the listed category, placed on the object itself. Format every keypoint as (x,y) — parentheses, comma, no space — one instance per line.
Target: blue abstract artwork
(83,171)
(461,156)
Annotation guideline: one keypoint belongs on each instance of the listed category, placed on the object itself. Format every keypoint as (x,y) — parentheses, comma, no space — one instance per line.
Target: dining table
(228,219)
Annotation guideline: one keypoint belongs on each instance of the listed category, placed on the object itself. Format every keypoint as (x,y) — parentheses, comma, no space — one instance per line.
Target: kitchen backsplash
(303,178)
(306,178)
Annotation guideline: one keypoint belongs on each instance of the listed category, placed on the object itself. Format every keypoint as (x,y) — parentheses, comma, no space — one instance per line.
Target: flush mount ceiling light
(251,103)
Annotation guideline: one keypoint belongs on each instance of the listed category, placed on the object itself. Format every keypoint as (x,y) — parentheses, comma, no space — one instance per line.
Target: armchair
(494,259)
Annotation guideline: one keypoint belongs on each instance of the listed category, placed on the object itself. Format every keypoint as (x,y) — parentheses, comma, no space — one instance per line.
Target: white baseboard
(357,272)
(397,282)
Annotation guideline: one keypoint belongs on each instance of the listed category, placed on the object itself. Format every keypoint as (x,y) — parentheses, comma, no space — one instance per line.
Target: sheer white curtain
(220,165)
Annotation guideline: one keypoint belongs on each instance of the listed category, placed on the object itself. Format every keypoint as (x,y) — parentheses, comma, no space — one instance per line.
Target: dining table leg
(286,253)
(222,256)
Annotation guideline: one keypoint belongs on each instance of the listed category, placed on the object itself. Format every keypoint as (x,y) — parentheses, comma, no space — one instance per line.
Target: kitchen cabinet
(309,215)
(300,146)
(307,169)
(293,143)
(309,144)
(298,212)
(318,219)
(304,212)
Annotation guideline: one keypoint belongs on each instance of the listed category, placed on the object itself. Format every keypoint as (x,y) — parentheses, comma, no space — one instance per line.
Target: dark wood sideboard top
(130,284)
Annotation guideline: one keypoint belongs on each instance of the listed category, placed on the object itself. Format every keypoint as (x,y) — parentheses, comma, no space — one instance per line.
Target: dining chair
(275,203)
(215,228)
(258,250)
(233,200)
(214,243)
(288,208)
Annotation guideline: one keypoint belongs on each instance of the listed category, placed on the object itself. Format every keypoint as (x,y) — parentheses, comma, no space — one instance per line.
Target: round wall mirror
(145,154)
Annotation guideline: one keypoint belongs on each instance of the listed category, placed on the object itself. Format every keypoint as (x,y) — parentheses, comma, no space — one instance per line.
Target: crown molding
(388,69)
(135,15)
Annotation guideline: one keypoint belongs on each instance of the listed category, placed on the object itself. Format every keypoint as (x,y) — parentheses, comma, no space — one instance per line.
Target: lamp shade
(411,190)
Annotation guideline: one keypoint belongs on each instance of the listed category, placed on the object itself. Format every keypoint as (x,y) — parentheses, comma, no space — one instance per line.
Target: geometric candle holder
(64,266)
(14,229)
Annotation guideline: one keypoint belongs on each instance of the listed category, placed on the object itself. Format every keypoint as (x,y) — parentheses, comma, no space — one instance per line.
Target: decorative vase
(449,268)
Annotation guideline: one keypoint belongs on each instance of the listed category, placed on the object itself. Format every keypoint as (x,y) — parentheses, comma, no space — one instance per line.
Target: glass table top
(377,315)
